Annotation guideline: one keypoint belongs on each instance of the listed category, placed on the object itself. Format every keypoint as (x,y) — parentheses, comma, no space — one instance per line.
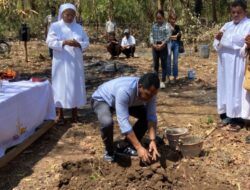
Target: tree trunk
(26,51)
(198,8)
(161,4)
(111,9)
(96,18)
(185,4)
(214,11)
(171,7)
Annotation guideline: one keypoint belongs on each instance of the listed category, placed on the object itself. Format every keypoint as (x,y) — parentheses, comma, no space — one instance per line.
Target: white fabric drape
(24,106)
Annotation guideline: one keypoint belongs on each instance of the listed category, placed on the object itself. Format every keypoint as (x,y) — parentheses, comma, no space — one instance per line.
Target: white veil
(63,7)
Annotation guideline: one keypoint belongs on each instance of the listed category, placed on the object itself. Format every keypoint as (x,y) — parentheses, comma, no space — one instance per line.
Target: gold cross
(21,129)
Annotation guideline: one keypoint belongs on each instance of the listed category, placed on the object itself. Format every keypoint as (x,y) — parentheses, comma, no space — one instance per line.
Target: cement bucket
(190,145)
(173,135)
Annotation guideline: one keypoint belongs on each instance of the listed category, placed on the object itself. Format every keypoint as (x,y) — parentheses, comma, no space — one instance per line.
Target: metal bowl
(190,145)
(173,135)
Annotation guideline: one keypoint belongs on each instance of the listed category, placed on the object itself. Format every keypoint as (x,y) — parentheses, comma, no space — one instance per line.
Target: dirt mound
(171,171)
(94,174)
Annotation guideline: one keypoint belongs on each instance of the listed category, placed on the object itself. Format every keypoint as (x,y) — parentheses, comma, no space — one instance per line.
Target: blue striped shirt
(120,94)
(160,33)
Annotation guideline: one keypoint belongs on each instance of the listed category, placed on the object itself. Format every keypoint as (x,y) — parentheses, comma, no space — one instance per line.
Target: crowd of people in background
(137,96)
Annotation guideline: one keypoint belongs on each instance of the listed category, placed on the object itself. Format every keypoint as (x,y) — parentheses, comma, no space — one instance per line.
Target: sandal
(233,127)
(224,122)
(75,120)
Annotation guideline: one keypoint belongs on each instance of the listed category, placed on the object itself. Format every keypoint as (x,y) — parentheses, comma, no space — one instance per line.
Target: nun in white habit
(232,99)
(68,41)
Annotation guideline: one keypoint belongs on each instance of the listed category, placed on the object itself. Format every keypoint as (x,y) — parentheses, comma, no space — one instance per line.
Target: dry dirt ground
(70,157)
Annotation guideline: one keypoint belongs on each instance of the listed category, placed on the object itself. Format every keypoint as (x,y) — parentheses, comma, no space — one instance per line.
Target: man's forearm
(133,139)
(152,130)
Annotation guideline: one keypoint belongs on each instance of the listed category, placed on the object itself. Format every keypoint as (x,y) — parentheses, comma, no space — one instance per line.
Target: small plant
(94,176)
(210,120)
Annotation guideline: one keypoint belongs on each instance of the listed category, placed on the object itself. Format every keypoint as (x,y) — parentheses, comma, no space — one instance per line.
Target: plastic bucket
(204,51)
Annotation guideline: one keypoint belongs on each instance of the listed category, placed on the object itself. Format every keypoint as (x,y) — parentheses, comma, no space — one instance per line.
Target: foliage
(135,14)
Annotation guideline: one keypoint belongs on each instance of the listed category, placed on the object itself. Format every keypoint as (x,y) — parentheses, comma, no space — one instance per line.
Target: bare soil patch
(70,157)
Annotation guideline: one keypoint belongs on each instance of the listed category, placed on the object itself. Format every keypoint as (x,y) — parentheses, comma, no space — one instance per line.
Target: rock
(131,176)
(161,171)
(157,177)
(159,185)
(155,166)
(147,173)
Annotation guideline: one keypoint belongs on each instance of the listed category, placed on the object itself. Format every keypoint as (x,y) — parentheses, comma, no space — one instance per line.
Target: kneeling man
(128,96)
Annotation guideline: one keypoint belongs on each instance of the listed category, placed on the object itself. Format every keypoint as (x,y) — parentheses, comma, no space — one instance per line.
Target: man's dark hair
(148,80)
(239,3)
(161,12)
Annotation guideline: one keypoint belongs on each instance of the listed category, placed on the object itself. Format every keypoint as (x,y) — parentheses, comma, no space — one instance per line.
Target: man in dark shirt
(113,46)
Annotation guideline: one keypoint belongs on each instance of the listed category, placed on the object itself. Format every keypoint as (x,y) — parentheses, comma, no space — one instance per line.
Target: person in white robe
(232,98)
(68,41)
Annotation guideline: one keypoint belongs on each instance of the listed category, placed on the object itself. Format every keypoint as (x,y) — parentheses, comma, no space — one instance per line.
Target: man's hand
(153,150)
(219,36)
(143,154)
(154,46)
(173,37)
(247,41)
(72,43)
(126,47)
(161,46)
(158,47)
(114,42)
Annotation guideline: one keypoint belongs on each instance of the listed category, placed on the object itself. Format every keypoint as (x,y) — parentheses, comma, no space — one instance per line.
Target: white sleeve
(84,42)
(243,52)
(123,41)
(216,44)
(53,40)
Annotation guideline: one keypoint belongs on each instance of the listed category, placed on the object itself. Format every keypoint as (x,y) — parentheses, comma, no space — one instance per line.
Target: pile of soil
(94,174)
(171,171)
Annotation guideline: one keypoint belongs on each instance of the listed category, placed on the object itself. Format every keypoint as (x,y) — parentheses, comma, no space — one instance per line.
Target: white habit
(232,98)
(68,80)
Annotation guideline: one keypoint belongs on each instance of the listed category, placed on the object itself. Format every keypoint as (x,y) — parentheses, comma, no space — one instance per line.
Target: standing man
(232,98)
(128,44)
(110,27)
(47,22)
(128,96)
(159,37)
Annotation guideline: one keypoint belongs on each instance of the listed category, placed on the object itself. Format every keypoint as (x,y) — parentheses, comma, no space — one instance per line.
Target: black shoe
(130,151)
(223,116)
(227,121)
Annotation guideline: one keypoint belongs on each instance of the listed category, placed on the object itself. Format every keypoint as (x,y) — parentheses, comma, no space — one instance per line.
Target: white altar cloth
(24,106)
